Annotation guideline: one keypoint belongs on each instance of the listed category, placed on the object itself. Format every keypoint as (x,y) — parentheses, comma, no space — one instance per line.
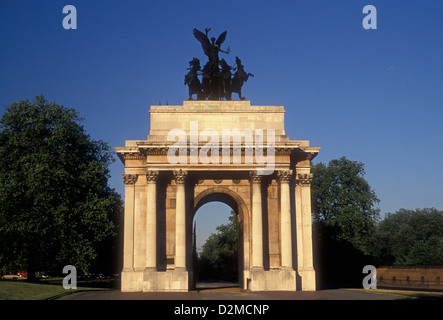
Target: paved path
(238,304)
(232,294)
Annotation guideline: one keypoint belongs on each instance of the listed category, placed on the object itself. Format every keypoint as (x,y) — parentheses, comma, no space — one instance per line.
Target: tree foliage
(219,256)
(411,237)
(55,202)
(344,202)
(348,232)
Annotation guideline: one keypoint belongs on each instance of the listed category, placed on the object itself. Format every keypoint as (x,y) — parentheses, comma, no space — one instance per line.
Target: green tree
(219,256)
(344,220)
(55,203)
(411,237)
(345,202)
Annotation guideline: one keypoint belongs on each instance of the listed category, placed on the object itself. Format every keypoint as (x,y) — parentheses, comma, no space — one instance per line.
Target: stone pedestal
(132,281)
(308,279)
(169,280)
(283,279)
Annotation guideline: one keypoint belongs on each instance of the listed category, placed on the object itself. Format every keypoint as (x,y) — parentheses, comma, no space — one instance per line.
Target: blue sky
(374,96)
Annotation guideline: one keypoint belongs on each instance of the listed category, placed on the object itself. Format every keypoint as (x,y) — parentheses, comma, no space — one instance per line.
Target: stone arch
(222,194)
(161,197)
(231,198)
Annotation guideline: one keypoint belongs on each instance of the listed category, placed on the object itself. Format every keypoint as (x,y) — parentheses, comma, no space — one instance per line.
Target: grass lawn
(44,289)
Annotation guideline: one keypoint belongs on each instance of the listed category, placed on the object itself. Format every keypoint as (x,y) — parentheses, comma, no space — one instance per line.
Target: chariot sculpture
(218,81)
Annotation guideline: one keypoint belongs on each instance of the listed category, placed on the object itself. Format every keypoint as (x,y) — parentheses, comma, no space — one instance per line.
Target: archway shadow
(216,285)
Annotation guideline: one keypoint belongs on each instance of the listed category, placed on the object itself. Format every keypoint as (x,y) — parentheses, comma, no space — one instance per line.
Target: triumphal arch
(218,150)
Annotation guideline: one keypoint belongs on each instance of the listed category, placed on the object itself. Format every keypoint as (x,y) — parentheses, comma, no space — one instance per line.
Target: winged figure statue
(213,47)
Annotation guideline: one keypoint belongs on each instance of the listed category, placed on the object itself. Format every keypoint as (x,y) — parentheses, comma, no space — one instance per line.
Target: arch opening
(209,206)
(215,246)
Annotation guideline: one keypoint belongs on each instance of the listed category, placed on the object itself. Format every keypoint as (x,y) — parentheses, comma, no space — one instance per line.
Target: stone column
(257,224)
(284,177)
(299,227)
(151,220)
(180,220)
(307,273)
(128,250)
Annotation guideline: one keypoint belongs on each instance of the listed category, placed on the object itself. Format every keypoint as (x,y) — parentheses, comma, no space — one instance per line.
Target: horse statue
(240,77)
(191,79)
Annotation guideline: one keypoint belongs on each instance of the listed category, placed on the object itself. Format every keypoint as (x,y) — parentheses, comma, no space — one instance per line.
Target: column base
(283,279)
(132,280)
(152,280)
(169,280)
(308,281)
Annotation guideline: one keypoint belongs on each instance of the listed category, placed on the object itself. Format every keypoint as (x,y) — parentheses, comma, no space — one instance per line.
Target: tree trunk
(31,265)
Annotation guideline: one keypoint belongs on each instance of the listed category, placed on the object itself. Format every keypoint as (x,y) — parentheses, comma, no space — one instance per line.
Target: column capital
(151,176)
(304,179)
(129,178)
(180,175)
(284,176)
(254,177)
